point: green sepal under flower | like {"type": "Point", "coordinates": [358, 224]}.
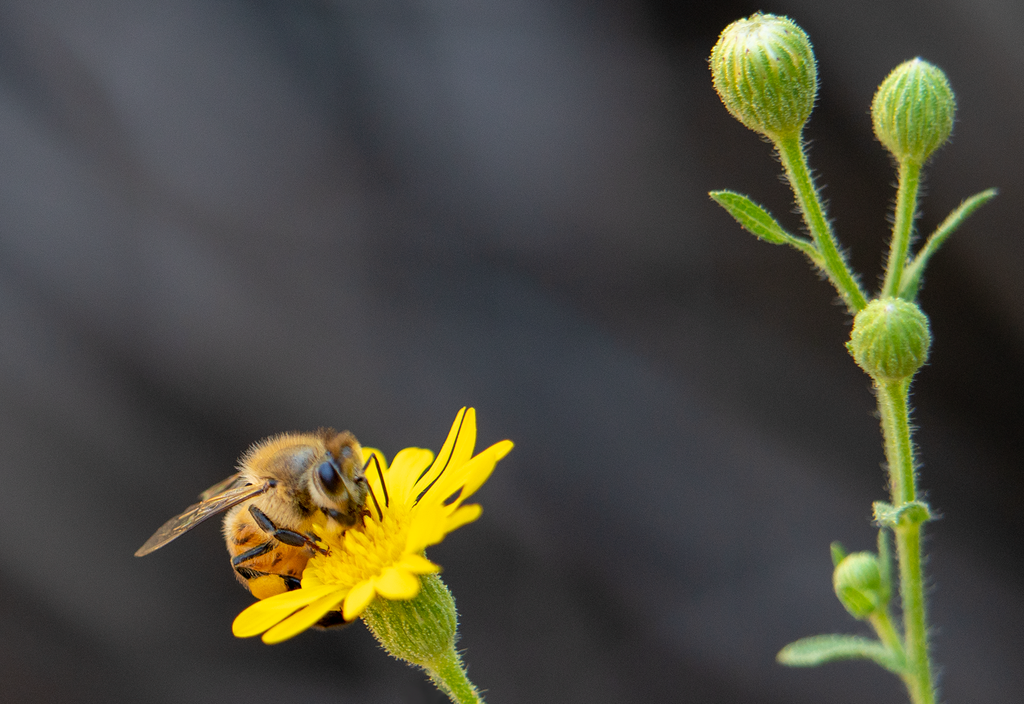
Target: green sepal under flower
{"type": "Point", "coordinates": [913, 111]}
{"type": "Point", "coordinates": [420, 630]}
{"type": "Point", "coordinates": [890, 339]}
{"type": "Point", "coordinates": [764, 71]}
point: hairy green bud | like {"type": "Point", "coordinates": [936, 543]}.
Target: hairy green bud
{"type": "Point", "coordinates": [764, 71]}
{"type": "Point", "coordinates": [913, 111]}
{"type": "Point", "coordinates": [890, 339]}
{"type": "Point", "coordinates": [859, 585]}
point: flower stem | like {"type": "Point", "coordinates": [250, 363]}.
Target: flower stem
{"type": "Point", "coordinates": [899, 451]}
{"type": "Point", "coordinates": [906, 206]}
{"type": "Point", "coordinates": [794, 161]}
{"type": "Point", "coordinates": [881, 621]}
{"type": "Point", "coordinates": [450, 677]}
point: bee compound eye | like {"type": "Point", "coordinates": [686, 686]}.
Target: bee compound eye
{"type": "Point", "coordinates": [329, 477]}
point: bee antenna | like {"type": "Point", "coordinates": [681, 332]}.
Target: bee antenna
{"type": "Point", "coordinates": [383, 485]}
{"type": "Point", "coordinates": [451, 453]}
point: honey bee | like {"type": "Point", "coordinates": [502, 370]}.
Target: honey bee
{"type": "Point", "coordinates": [282, 484]}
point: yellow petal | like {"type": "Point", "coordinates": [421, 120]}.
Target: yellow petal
{"type": "Point", "coordinates": [427, 529]}
{"type": "Point", "coordinates": [395, 583]}
{"type": "Point", "coordinates": [299, 622]}
{"type": "Point", "coordinates": [462, 516]}
{"type": "Point", "coordinates": [264, 614]}
{"type": "Point", "coordinates": [409, 464]}
{"type": "Point", "coordinates": [479, 475]}
{"type": "Point", "coordinates": [417, 564]}
{"type": "Point", "coordinates": [358, 599]}
{"type": "Point", "coordinates": [374, 458]}
{"type": "Point", "coordinates": [457, 448]}
{"type": "Point", "coordinates": [470, 476]}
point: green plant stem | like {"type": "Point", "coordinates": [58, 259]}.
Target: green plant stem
{"type": "Point", "coordinates": [450, 677]}
{"type": "Point", "coordinates": [794, 161]}
{"type": "Point", "coordinates": [881, 621]}
{"type": "Point", "coordinates": [893, 398]}
{"type": "Point", "coordinates": [903, 225]}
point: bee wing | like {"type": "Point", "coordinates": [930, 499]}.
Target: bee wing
{"type": "Point", "coordinates": [197, 513]}
{"type": "Point", "coordinates": [222, 486]}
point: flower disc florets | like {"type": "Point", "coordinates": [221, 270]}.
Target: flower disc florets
{"type": "Point", "coordinates": [764, 71]}
{"type": "Point", "coordinates": [913, 111]}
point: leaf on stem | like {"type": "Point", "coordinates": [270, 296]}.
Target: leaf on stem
{"type": "Point", "coordinates": [913, 272]}
{"type": "Point", "coordinates": [758, 222]}
{"type": "Point", "coordinates": [910, 513]}
{"type": "Point", "coordinates": [817, 650]}
{"type": "Point", "coordinates": [838, 552]}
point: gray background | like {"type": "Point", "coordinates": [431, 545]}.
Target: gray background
{"type": "Point", "coordinates": [224, 219]}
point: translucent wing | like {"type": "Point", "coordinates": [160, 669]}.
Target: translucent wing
{"type": "Point", "coordinates": [197, 513]}
{"type": "Point", "coordinates": [220, 487]}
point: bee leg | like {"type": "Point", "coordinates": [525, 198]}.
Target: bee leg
{"type": "Point", "coordinates": [282, 535]}
{"type": "Point", "coordinates": [249, 574]}
{"type": "Point", "coordinates": [333, 619]}
{"type": "Point", "coordinates": [265, 584]}
{"type": "Point", "coordinates": [251, 553]}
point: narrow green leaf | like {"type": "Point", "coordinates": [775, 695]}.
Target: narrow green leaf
{"type": "Point", "coordinates": [915, 270]}
{"type": "Point", "coordinates": [838, 552]}
{"type": "Point", "coordinates": [752, 217]}
{"type": "Point", "coordinates": [757, 221]}
{"type": "Point", "coordinates": [817, 650]}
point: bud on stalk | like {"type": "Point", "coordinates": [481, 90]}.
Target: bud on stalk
{"type": "Point", "coordinates": [764, 71]}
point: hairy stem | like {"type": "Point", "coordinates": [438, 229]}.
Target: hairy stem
{"type": "Point", "coordinates": [450, 677]}
{"type": "Point", "coordinates": [903, 225]}
{"type": "Point", "coordinates": [899, 452]}
{"type": "Point", "coordinates": [794, 161]}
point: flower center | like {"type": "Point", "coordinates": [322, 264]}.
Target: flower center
{"type": "Point", "coordinates": [361, 552]}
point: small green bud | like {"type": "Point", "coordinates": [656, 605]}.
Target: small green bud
{"type": "Point", "coordinates": [763, 69]}
{"type": "Point", "coordinates": [913, 111]}
{"type": "Point", "coordinates": [859, 585]}
{"type": "Point", "coordinates": [890, 339]}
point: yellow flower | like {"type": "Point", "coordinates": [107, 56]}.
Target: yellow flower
{"type": "Point", "coordinates": [415, 504]}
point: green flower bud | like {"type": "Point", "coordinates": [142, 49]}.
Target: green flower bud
{"type": "Point", "coordinates": [859, 585]}
{"type": "Point", "coordinates": [913, 111]}
{"type": "Point", "coordinates": [890, 339]}
{"type": "Point", "coordinates": [763, 69]}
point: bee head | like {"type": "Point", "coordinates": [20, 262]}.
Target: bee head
{"type": "Point", "coordinates": [338, 484]}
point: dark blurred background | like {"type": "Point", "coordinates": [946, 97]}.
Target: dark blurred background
{"type": "Point", "coordinates": [224, 219]}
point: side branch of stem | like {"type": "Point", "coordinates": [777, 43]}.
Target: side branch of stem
{"type": "Point", "coordinates": [794, 162]}
{"type": "Point", "coordinates": [903, 225]}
